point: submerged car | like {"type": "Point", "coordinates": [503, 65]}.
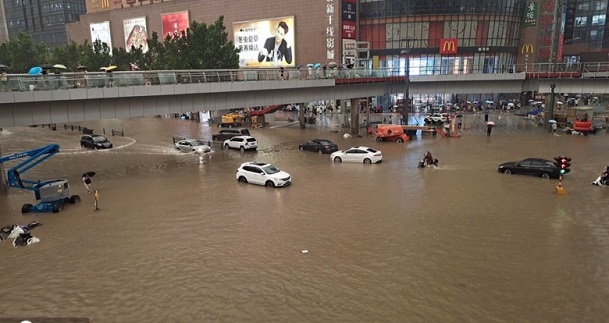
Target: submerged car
{"type": "Point", "coordinates": [359, 154]}
{"type": "Point", "coordinates": [95, 142]}
{"type": "Point", "coordinates": [242, 143]}
{"type": "Point", "coordinates": [262, 174]}
{"type": "Point", "coordinates": [531, 166]}
{"type": "Point", "coordinates": [322, 146]}
{"type": "Point", "coordinates": [190, 145]}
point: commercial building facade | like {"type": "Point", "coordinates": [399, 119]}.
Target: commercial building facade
{"type": "Point", "coordinates": [44, 20]}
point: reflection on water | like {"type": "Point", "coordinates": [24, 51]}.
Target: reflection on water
{"type": "Point", "coordinates": [179, 240]}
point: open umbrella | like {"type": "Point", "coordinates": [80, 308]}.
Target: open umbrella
{"type": "Point", "coordinates": [110, 68]}
{"type": "Point", "coordinates": [103, 68]}
{"type": "Point", "coordinates": [310, 65]}
{"type": "Point", "coordinates": [552, 121]}
{"type": "Point", "coordinates": [298, 67]}
{"type": "Point", "coordinates": [60, 66]}
{"type": "Point", "coordinates": [90, 174]}
{"type": "Point", "coordinates": [47, 66]}
{"type": "Point", "coordinates": [490, 123]}
{"type": "Point", "coordinates": [4, 67]}
{"type": "Point", "coordinates": [332, 65]}
{"type": "Point", "coordinates": [82, 67]}
{"type": "Point", "coordinates": [510, 104]}
{"type": "Point", "coordinates": [317, 65]}
{"type": "Point", "coordinates": [36, 70]}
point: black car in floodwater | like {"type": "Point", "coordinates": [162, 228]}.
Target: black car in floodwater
{"type": "Point", "coordinates": [322, 146]}
{"type": "Point", "coordinates": [531, 166]}
{"type": "Point", "coordinates": [95, 142]}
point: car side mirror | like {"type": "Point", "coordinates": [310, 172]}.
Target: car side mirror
{"type": "Point", "coordinates": [261, 173]}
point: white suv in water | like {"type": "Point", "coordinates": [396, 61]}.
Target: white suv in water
{"type": "Point", "coordinates": [262, 174]}
{"type": "Point", "coordinates": [242, 143]}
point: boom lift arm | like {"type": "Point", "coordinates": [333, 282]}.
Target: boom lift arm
{"type": "Point", "coordinates": [36, 156]}
{"type": "Point", "coordinates": [53, 194]}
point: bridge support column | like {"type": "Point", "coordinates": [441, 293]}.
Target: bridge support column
{"type": "Point", "coordinates": [301, 116]}
{"type": "Point", "coordinates": [354, 117]}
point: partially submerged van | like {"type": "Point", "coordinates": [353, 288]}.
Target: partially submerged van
{"type": "Point", "coordinates": [390, 132]}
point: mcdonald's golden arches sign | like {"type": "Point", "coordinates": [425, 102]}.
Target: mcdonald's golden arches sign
{"type": "Point", "coordinates": [526, 49]}
{"type": "Point", "coordinates": [449, 45]}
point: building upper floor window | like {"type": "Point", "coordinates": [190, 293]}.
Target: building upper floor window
{"type": "Point", "coordinates": [581, 21]}
{"type": "Point", "coordinates": [598, 20]}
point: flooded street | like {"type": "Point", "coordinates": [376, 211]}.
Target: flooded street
{"type": "Point", "coordinates": [178, 239]}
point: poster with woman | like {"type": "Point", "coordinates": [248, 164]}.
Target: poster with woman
{"type": "Point", "coordinates": [136, 33]}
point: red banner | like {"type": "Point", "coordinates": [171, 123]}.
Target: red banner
{"type": "Point", "coordinates": [174, 23]}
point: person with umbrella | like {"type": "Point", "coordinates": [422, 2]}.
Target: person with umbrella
{"type": "Point", "coordinates": [86, 179]}
{"type": "Point", "coordinates": [489, 128]}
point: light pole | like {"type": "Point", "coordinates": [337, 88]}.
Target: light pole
{"type": "Point", "coordinates": [407, 80]}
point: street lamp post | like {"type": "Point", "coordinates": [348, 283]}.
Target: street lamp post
{"type": "Point", "coordinates": [407, 80]}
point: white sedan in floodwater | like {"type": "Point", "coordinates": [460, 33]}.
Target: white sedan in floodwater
{"type": "Point", "coordinates": [190, 145]}
{"type": "Point", "coordinates": [359, 154]}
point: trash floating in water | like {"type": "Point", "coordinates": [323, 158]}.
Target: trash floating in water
{"type": "Point", "coordinates": [305, 251]}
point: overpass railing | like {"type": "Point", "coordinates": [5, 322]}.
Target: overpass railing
{"type": "Point", "coordinates": [43, 82]}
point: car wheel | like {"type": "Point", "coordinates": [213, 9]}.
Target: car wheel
{"type": "Point", "coordinates": [507, 171]}
{"type": "Point", "coordinates": [26, 208]}
{"type": "Point", "coordinates": [367, 161]}
{"type": "Point", "coordinates": [74, 199]}
{"type": "Point", "coordinates": [545, 175]}
{"type": "Point", "coordinates": [242, 149]}
{"type": "Point", "coordinates": [242, 179]}
{"type": "Point", "coordinates": [338, 160]}
{"type": "Point", "coordinates": [226, 146]}
{"type": "Point", "coordinates": [399, 140]}
{"type": "Point", "coordinates": [269, 184]}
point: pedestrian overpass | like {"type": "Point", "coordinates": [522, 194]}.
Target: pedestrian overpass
{"type": "Point", "coordinates": [71, 97]}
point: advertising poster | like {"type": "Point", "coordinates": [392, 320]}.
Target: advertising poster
{"type": "Point", "coordinates": [530, 13]}
{"type": "Point", "coordinates": [101, 31]}
{"type": "Point", "coordinates": [173, 23]}
{"type": "Point", "coordinates": [136, 34]}
{"type": "Point", "coordinates": [266, 42]}
{"type": "Point", "coordinates": [349, 18]}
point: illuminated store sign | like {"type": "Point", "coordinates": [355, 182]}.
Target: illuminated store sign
{"type": "Point", "coordinates": [449, 45]}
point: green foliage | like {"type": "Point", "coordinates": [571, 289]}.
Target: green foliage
{"type": "Point", "coordinates": [21, 53]}
{"type": "Point", "coordinates": [199, 47]}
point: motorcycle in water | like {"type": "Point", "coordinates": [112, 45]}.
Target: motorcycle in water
{"type": "Point", "coordinates": [601, 181]}
{"type": "Point", "coordinates": [422, 163]}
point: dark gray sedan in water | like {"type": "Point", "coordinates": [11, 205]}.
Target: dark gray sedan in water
{"type": "Point", "coordinates": [531, 166]}
{"type": "Point", "coordinates": [322, 146]}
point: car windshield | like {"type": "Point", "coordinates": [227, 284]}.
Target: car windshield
{"type": "Point", "coordinates": [270, 169]}
{"type": "Point", "coordinates": [325, 143]}
{"type": "Point", "coordinates": [99, 138]}
{"type": "Point", "coordinates": [197, 143]}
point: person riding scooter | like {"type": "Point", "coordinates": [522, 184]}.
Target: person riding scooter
{"type": "Point", "coordinates": [428, 160]}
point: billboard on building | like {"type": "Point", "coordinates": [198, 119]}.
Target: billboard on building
{"type": "Point", "coordinates": [101, 31]}
{"type": "Point", "coordinates": [175, 22]}
{"type": "Point", "coordinates": [136, 33]}
{"type": "Point", "coordinates": [530, 13]}
{"type": "Point", "coordinates": [349, 18]}
{"type": "Point", "coordinates": [266, 43]}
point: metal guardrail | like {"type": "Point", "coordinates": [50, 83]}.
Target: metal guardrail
{"type": "Point", "coordinates": [45, 82]}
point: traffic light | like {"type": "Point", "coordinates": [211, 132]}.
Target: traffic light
{"type": "Point", "coordinates": [563, 163]}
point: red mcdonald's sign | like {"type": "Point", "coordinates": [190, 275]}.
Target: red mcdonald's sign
{"type": "Point", "coordinates": [449, 45]}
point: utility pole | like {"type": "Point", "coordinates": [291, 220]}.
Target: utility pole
{"type": "Point", "coordinates": [407, 80]}
{"type": "Point", "coordinates": [549, 113]}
